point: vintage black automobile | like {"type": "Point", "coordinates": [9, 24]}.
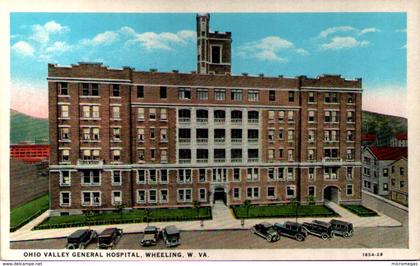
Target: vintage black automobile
{"type": "Point", "coordinates": [150, 237]}
{"type": "Point", "coordinates": [291, 229]}
{"type": "Point", "coordinates": [80, 238]}
{"type": "Point", "coordinates": [109, 238]}
{"type": "Point", "coordinates": [171, 236]}
{"type": "Point", "coordinates": [319, 228]}
{"type": "Point", "coordinates": [266, 231]}
{"type": "Point", "coordinates": [341, 228]}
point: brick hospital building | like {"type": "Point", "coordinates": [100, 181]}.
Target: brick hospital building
{"type": "Point", "coordinates": [168, 139]}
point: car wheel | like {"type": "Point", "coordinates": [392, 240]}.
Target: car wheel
{"type": "Point", "coordinates": [269, 238]}
{"type": "Point", "coordinates": [300, 237]}
{"type": "Point", "coordinates": [324, 236]}
{"type": "Point", "coordinates": [346, 235]}
{"type": "Point", "coordinates": [71, 246]}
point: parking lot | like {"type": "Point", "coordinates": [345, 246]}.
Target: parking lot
{"type": "Point", "coordinates": [365, 237]}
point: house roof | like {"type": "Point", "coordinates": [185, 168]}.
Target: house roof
{"type": "Point", "coordinates": [401, 135]}
{"type": "Point", "coordinates": [388, 153]}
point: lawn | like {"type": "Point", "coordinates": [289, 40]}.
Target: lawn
{"type": "Point", "coordinates": [283, 211]}
{"type": "Point", "coordinates": [22, 214]}
{"type": "Point", "coordinates": [360, 210]}
{"type": "Point", "coordinates": [131, 216]}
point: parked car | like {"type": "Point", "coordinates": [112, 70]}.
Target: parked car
{"type": "Point", "coordinates": [266, 231]}
{"type": "Point", "coordinates": [109, 237]}
{"type": "Point", "coordinates": [319, 228]}
{"type": "Point", "coordinates": [80, 238]}
{"type": "Point", "coordinates": [291, 229]}
{"type": "Point", "coordinates": [171, 236]}
{"type": "Point", "coordinates": [341, 228]}
{"type": "Point", "coordinates": [150, 237]}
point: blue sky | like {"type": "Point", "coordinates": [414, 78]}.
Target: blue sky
{"type": "Point", "coordinates": [367, 45]}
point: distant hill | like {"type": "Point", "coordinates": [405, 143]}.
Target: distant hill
{"type": "Point", "coordinates": [27, 128]}
{"type": "Point", "coordinates": [383, 126]}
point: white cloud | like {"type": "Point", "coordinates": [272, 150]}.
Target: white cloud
{"type": "Point", "coordinates": [368, 30]}
{"type": "Point", "coordinates": [41, 33]}
{"type": "Point", "coordinates": [401, 30]}
{"type": "Point", "coordinates": [268, 49]}
{"type": "Point", "coordinates": [58, 47]}
{"type": "Point", "coordinates": [332, 30]}
{"type": "Point", "coordinates": [160, 41]}
{"type": "Point", "coordinates": [23, 48]}
{"type": "Point", "coordinates": [104, 38]}
{"type": "Point", "coordinates": [338, 43]}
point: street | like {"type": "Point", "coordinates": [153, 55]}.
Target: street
{"type": "Point", "coordinates": [364, 237]}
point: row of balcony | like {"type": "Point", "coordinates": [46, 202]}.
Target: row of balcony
{"type": "Point", "coordinates": [216, 140]}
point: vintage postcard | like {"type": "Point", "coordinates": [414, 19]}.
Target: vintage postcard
{"type": "Point", "coordinates": [245, 131]}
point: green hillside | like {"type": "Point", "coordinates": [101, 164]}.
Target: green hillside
{"type": "Point", "coordinates": [384, 126]}
{"type": "Point", "coordinates": [27, 128]}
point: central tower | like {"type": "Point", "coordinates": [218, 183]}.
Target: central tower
{"type": "Point", "coordinates": [213, 48]}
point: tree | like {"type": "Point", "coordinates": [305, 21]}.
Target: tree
{"type": "Point", "coordinates": [311, 199]}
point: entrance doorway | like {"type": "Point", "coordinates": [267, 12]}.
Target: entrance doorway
{"type": "Point", "coordinates": [219, 195]}
{"type": "Point", "coordinates": [332, 193]}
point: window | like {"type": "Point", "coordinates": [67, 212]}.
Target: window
{"type": "Point", "coordinates": [253, 174]}
{"type": "Point", "coordinates": [91, 177]}
{"type": "Point", "coordinates": [63, 88]}
{"type": "Point", "coordinates": [271, 116]}
{"type": "Point", "coordinates": [152, 131]}
{"type": "Point", "coordinates": [402, 171]}
{"type": "Point", "coordinates": [202, 155]}
{"type": "Point", "coordinates": [202, 115]}
{"type": "Point", "coordinates": [271, 95]}
{"type": "Point", "coordinates": [311, 155]}
{"type": "Point", "coordinates": [385, 186]}
{"type": "Point", "coordinates": [90, 89]}
{"type": "Point", "coordinates": [290, 173]}
{"type": "Point", "coordinates": [163, 196]}
{"type": "Point", "coordinates": [291, 116]}
{"type": "Point", "coordinates": [140, 134]}
{"type": "Point", "coordinates": [311, 191]}
{"type": "Point", "coordinates": [271, 155]}
{"type": "Point", "coordinates": [290, 135]}
{"type": "Point", "coordinates": [152, 176]}
{"type": "Point", "coordinates": [331, 97]}
{"type": "Point", "coordinates": [140, 91]}
{"type": "Point", "coordinates": [116, 134]}
{"type": "Point", "coordinates": [311, 97]}
{"type": "Point", "coordinates": [184, 195]}
{"type": "Point", "coordinates": [219, 116]}
{"type": "Point", "coordinates": [202, 194]}
{"type": "Point", "coordinates": [236, 174]}
{"type": "Point", "coordinates": [393, 182]}
{"type": "Point", "coordinates": [219, 175]}
{"type": "Point", "coordinates": [141, 196]}
{"type": "Point", "coordinates": [152, 195]}
{"type": "Point", "coordinates": [152, 154]}
{"type": "Point", "coordinates": [219, 155]}
{"type": "Point", "coordinates": [236, 95]}
{"type": "Point", "coordinates": [116, 178]}
{"type": "Point", "coordinates": [219, 94]}
{"type": "Point", "coordinates": [290, 192]}
{"type": "Point", "coordinates": [350, 154]}
{"type": "Point", "coordinates": [271, 133]}
{"type": "Point", "coordinates": [253, 95]}
{"type": "Point", "coordinates": [253, 155]}
{"type": "Point", "coordinates": [163, 92]}
{"type": "Point", "coordinates": [65, 155]}
{"type": "Point", "coordinates": [152, 114]}
{"type": "Point", "coordinates": [281, 134]}
{"type": "Point", "coordinates": [349, 173]}
{"type": "Point", "coordinates": [331, 135]}
{"type": "Point", "coordinates": [184, 176]}
{"type": "Point", "coordinates": [216, 54]}
{"type": "Point", "coordinates": [163, 176]}
{"type": "Point", "coordinates": [184, 93]}
{"type": "Point", "coordinates": [65, 178]}
{"type": "Point", "coordinates": [65, 133]}
{"type": "Point", "coordinates": [164, 135]}
{"type": "Point", "coordinates": [349, 190]}
{"type": "Point", "coordinates": [141, 155]}
{"type": "Point", "coordinates": [253, 116]}
{"type": "Point", "coordinates": [311, 116]}
{"type": "Point", "coordinates": [350, 135]}
{"type": "Point", "coordinates": [116, 155]}
{"type": "Point", "coordinates": [402, 184]}
{"type": "Point", "coordinates": [280, 173]}
{"type": "Point", "coordinates": [385, 172]}
{"type": "Point", "coordinates": [281, 153]}
{"type": "Point", "coordinates": [271, 192]}
{"type": "Point", "coordinates": [331, 116]}
{"type": "Point", "coordinates": [115, 112]}
{"type": "Point", "coordinates": [281, 116]}
{"type": "Point", "coordinates": [350, 98]}
{"type": "Point", "coordinates": [311, 135]}
{"type": "Point", "coordinates": [253, 192]}
{"type": "Point", "coordinates": [236, 193]}
{"type": "Point", "coordinates": [163, 114]}
{"type": "Point", "coordinates": [202, 94]}
{"type": "Point", "coordinates": [86, 89]}
{"type": "Point", "coordinates": [91, 198]}
{"type": "Point", "coordinates": [291, 96]}
{"type": "Point", "coordinates": [64, 111]}
{"type": "Point", "coordinates": [140, 113]}
{"type": "Point", "coordinates": [331, 153]}
{"type": "Point", "coordinates": [350, 117]}
{"type": "Point", "coordinates": [116, 198]}
{"type": "Point", "coordinates": [271, 174]}
{"type": "Point", "coordinates": [236, 116]}
{"type": "Point", "coordinates": [311, 173]}
{"type": "Point", "coordinates": [116, 90]}
{"type": "Point", "coordinates": [331, 173]}
{"type": "Point", "coordinates": [202, 175]}
{"type": "Point", "coordinates": [141, 176]}
{"type": "Point", "coordinates": [236, 155]}
{"type": "Point", "coordinates": [184, 115]}
{"type": "Point", "coordinates": [65, 199]}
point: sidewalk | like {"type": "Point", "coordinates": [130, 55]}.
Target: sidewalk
{"type": "Point", "coordinates": [222, 219]}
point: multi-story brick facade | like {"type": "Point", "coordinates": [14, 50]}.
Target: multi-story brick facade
{"type": "Point", "coordinates": [154, 139]}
